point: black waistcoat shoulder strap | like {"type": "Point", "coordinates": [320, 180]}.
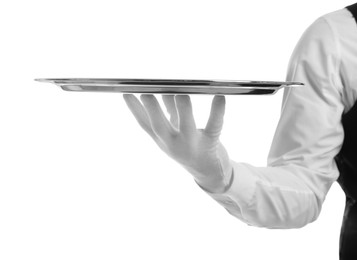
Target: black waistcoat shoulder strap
{"type": "Point", "coordinates": [347, 164]}
{"type": "Point", "coordinates": [353, 9]}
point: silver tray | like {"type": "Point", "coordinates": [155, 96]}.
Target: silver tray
{"type": "Point", "coordinates": [170, 86]}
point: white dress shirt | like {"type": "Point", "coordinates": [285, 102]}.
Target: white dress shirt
{"type": "Point", "coordinates": [289, 192]}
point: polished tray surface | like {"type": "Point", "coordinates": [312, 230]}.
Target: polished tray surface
{"type": "Point", "coordinates": [170, 86]}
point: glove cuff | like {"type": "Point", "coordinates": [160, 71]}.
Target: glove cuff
{"type": "Point", "coordinates": [226, 188]}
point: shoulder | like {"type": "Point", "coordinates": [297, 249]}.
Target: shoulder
{"type": "Point", "coordinates": [331, 29]}
{"type": "Point", "coordinates": [326, 35]}
{"type": "Point", "coordinates": [339, 19]}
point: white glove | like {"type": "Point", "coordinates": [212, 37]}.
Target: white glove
{"type": "Point", "coordinates": [197, 150]}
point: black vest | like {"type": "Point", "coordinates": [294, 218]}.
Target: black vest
{"type": "Point", "coordinates": [347, 164]}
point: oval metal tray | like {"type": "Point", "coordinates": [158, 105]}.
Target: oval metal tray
{"type": "Point", "coordinates": [170, 86]}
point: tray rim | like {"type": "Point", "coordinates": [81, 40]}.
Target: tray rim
{"type": "Point", "coordinates": [170, 86]}
{"type": "Point", "coordinates": [169, 82]}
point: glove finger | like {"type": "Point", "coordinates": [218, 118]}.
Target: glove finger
{"type": "Point", "coordinates": [158, 120]}
{"type": "Point", "coordinates": [184, 109]}
{"type": "Point", "coordinates": [215, 120]}
{"type": "Point", "coordinates": [169, 101]}
{"type": "Point", "coordinates": [139, 113]}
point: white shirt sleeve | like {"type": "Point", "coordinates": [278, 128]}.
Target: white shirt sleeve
{"type": "Point", "coordinates": [289, 192]}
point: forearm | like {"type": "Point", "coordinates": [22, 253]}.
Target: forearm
{"type": "Point", "coordinates": [272, 197]}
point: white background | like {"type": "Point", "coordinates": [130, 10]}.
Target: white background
{"type": "Point", "coordinates": [79, 179]}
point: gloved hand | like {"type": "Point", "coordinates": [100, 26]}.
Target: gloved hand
{"type": "Point", "coordinates": [197, 150]}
